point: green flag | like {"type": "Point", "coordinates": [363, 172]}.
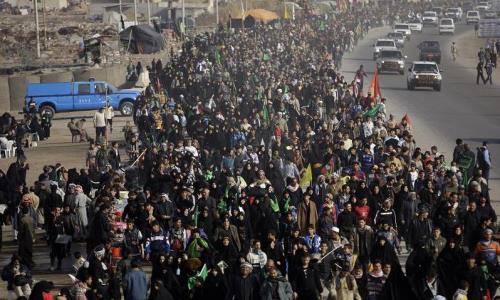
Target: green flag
{"type": "Point", "coordinates": [265, 114]}
{"type": "Point", "coordinates": [373, 112]}
{"type": "Point", "coordinates": [321, 25]}
{"type": "Point", "coordinates": [202, 274]}
{"type": "Point", "coordinates": [218, 57]}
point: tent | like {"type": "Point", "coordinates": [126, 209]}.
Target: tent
{"type": "Point", "coordinates": [142, 39]}
{"type": "Point", "coordinates": [261, 15]}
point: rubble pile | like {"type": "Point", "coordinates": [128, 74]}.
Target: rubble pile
{"type": "Point", "coordinates": [60, 44]}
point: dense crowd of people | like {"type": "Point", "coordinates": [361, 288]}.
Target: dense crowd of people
{"type": "Point", "coordinates": [256, 170]}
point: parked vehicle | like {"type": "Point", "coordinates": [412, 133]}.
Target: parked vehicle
{"type": "Point", "coordinates": [430, 51]}
{"type": "Point", "coordinates": [446, 25]}
{"type": "Point", "coordinates": [472, 17]}
{"type": "Point", "coordinates": [82, 95]}
{"type": "Point", "coordinates": [424, 74]}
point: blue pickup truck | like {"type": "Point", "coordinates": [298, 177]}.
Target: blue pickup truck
{"type": "Point", "coordinates": [81, 95]}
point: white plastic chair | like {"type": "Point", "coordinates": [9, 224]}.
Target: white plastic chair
{"type": "Point", "coordinates": [7, 148]}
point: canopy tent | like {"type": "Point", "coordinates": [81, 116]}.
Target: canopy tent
{"type": "Point", "coordinates": [142, 39]}
{"type": "Point", "coordinates": [261, 15]}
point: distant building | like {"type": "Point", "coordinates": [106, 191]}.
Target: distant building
{"type": "Point", "coordinates": [49, 4]}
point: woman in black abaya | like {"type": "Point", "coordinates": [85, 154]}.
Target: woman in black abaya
{"type": "Point", "coordinates": [449, 264]}
{"type": "Point", "coordinates": [384, 252]}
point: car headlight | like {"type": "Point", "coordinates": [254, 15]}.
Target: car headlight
{"type": "Point", "coordinates": [401, 63]}
{"type": "Point", "coordinates": [377, 50]}
{"type": "Point", "coordinates": [416, 76]}
{"type": "Point", "coordinates": [381, 61]}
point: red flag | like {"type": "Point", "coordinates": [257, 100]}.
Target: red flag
{"type": "Point", "coordinates": [406, 118]}
{"type": "Point", "coordinates": [375, 86]}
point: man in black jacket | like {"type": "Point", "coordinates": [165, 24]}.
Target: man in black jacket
{"type": "Point", "coordinates": [244, 286]}
{"type": "Point", "coordinates": [114, 156]}
{"type": "Point", "coordinates": [420, 228]}
{"type": "Point", "coordinates": [307, 284]}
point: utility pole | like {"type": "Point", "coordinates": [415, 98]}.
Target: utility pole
{"type": "Point", "coordinates": [37, 30]}
{"type": "Point", "coordinates": [217, 12]}
{"type": "Point", "coordinates": [120, 6]}
{"type": "Point", "coordinates": [135, 12]}
{"type": "Point", "coordinates": [149, 13]}
{"type": "Point", "coordinates": [183, 19]}
{"type": "Point", "coordinates": [183, 13]}
{"type": "Point", "coordinates": [44, 26]}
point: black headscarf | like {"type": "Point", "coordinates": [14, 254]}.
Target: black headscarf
{"type": "Point", "coordinates": [385, 253]}
{"type": "Point", "coordinates": [449, 264]}
{"type": "Point", "coordinates": [40, 288]}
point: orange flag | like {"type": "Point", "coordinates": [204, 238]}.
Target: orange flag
{"type": "Point", "coordinates": [375, 86]}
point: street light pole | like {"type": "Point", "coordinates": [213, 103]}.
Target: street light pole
{"type": "Point", "coordinates": [37, 30]}
{"type": "Point", "coordinates": [135, 11]}
{"type": "Point", "coordinates": [183, 13]}
{"type": "Point", "coordinates": [44, 26]}
{"type": "Point", "coordinates": [149, 13]}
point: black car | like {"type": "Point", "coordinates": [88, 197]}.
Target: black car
{"type": "Point", "coordinates": [430, 51]}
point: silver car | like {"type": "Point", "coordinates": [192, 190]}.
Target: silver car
{"type": "Point", "coordinates": [391, 60]}
{"type": "Point", "coordinates": [398, 37]}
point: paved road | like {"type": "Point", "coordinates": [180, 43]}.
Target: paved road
{"type": "Point", "coordinates": [461, 110]}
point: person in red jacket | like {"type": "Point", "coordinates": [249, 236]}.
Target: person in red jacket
{"type": "Point", "coordinates": [362, 210]}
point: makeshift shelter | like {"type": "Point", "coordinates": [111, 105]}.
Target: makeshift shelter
{"type": "Point", "coordinates": [261, 15]}
{"type": "Point", "coordinates": [142, 39]}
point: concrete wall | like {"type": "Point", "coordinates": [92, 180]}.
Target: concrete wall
{"type": "Point", "coordinates": [4, 94]}
{"type": "Point", "coordinates": [17, 89]}
{"type": "Point", "coordinates": [13, 88]}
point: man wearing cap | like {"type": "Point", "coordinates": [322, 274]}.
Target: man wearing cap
{"type": "Point", "coordinates": [244, 286]}
{"type": "Point", "coordinates": [487, 249]}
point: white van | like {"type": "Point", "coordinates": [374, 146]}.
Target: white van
{"type": "Point", "coordinates": [472, 16]}
{"type": "Point", "coordinates": [446, 25]}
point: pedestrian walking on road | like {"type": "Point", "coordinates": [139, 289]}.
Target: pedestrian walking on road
{"type": "Point", "coordinates": [480, 74]}
{"type": "Point", "coordinates": [489, 72]}
{"type": "Point", "coordinates": [109, 113]}
{"type": "Point", "coordinates": [454, 51]}
{"type": "Point", "coordinates": [484, 160]}
{"type": "Point", "coordinates": [100, 124]}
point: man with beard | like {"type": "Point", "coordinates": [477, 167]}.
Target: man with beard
{"type": "Point", "coordinates": [275, 288]}
{"type": "Point", "coordinates": [245, 285]}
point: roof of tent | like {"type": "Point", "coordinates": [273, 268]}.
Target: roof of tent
{"type": "Point", "coordinates": [142, 39]}
{"type": "Point", "coordinates": [261, 14]}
